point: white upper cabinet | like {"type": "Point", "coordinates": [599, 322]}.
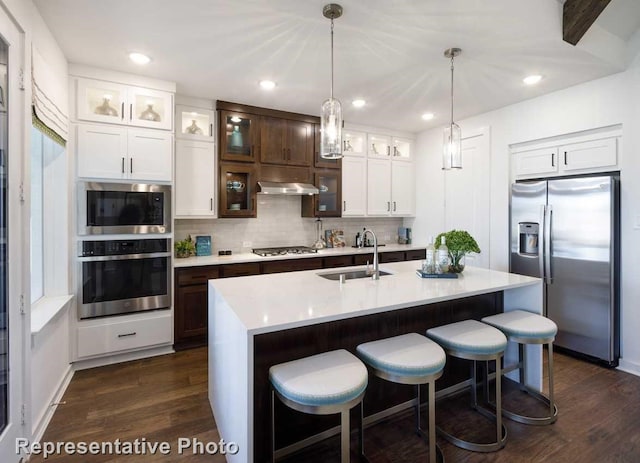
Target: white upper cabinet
{"type": "Point", "coordinates": [379, 187]}
{"type": "Point", "coordinates": [590, 154]}
{"type": "Point", "coordinates": [195, 179]}
{"type": "Point", "coordinates": [118, 153]}
{"type": "Point", "coordinates": [402, 149]}
{"type": "Point", "coordinates": [354, 143]}
{"type": "Point", "coordinates": [379, 146]}
{"type": "Point", "coordinates": [112, 103]}
{"type": "Point", "coordinates": [194, 123]}
{"type": "Point", "coordinates": [354, 186]}
{"type": "Point", "coordinates": [403, 191]}
{"type": "Point", "coordinates": [536, 162]}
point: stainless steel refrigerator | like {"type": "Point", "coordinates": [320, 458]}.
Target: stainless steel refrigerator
{"type": "Point", "coordinates": [566, 231]}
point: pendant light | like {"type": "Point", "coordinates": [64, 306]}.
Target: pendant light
{"type": "Point", "coordinates": [452, 147]}
{"type": "Point", "coordinates": [331, 119]}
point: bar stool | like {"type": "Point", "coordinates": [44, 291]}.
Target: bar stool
{"type": "Point", "coordinates": [323, 384]}
{"type": "Point", "coordinates": [408, 359]}
{"type": "Point", "coordinates": [472, 340]}
{"type": "Point", "coordinates": [523, 328]}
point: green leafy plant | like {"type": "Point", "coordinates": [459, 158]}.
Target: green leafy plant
{"type": "Point", "coordinates": [460, 243]}
{"type": "Point", "coordinates": [185, 247]}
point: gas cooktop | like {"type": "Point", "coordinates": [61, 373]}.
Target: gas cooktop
{"type": "Point", "coordinates": [267, 252]}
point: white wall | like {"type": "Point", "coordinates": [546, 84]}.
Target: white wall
{"type": "Point", "coordinates": [603, 102]}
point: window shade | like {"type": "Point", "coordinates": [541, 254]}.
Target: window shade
{"type": "Point", "coordinates": [49, 97]}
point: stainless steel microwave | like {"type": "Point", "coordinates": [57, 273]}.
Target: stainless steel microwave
{"type": "Point", "coordinates": [123, 208]}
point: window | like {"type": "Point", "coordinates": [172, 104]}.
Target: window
{"type": "Point", "coordinates": [49, 215]}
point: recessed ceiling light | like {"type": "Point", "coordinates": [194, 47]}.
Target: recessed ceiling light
{"type": "Point", "coordinates": [358, 103]}
{"type": "Point", "coordinates": [236, 119]}
{"type": "Point", "coordinates": [139, 58]}
{"type": "Point", "coordinates": [267, 84]}
{"type": "Point", "coordinates": [428, 116]}
{"type": "Point", "coordinates": [532, 80]}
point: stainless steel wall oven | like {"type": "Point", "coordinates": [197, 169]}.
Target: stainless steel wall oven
{"type": "Point", "coordinates": [123, 276]}
{"type": "Point", "coordinates": [123, 208]}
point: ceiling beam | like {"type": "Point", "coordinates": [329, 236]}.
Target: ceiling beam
{"type": "Point", "coordinates": [578, 16]}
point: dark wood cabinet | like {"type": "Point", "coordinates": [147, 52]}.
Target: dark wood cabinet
{"type": "Point", "coordinates": [286, 142]}
{"type": "Point", "coordinates": [328, 202]}
{"type": "Point", "coordinates": [337, 261]}
{"type": "Point", "coordinates": [239, 270]}
{"type": "Point", "coordinates": [292, 265]}
{"type": "Point", "coordinates": [396, 256]}
{"type": "Point", "coordinates": [416, 254]}
{"type": "Point", "coordinates": [238, 136]}
{"type": "Point", "coordinates": [319, 161]}
{"type": "Point", "coordinates": [238, 187]}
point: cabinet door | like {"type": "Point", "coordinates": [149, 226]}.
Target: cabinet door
{"type": "Point", "coordinates": [100, 101]}
{"type": "Point", "coordinates": [195, 163]}
{"type": "Point", "coordinates": [589, 155]}
{"type": "Point", "coordinates": [102, 151]}
{"type": "Point", "coordinates": [402, 149]}
{"type": "Point", "coordinates": [237, 190]}
{"type": "Point", "coordinates": [354, 143]}
{"type": "Point", "coordinates": [403, 190]}
{"type": "Point", "coordinates": [536, 162]}
{"type": "Point", "coordinates": [238, 136]}
{"type": "Point", "coordinates": [299, 143]}
{"type": "Point", "coordinates": [149, 155]}
{"type": "Point", "coordinates": [194, 123]}
{"type": "Point", "coordinates": [379, 146]}
{"type": "Point", "coordinates": [150, 108]}
{"type": "Point", "coordinates": [379, 192]}
{"type": "Point", "coordinates": [318, 160]}
{"type": "Point", "coordinates": [272, 140]}
{"type": "Point", "coordinates": [354, 186]}
{"type": "Point", "coordinates": [328, 201]}
{"type": "Point", "coordinates": [190, 313]}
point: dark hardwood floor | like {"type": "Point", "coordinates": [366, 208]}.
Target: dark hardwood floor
{"type": "Point", "coordinates": [165, 398]}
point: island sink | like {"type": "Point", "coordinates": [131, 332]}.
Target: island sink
{"type": "Point", "coordinates": [351, 274]}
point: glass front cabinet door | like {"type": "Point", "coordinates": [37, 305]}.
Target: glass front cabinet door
{"type": "Point", "coordinates": [328, 202]}
{"type": "Point", "coordinates": [354, 143]}
{"type": "Point", "coordinates": [237, 190]}
{"type": "Point", "coordinates": [150, 108]}
{"type": "Point", "coordinates": [100, 101]}
{"type": "Point", "coordinates": [194, 123]}
{"type": "Point", "coordinates": [238, 134]}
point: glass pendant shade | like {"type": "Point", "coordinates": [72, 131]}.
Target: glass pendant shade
{"type": "Point", "coordinates": [452, 147]}
{"type": "Point", "coordinates": [331, 130]}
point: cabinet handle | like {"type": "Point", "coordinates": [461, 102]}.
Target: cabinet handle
{"type": "Point", "coordinates": [553, 157]}
{"type": "Point", "coordinates": [344, 206]}
{"type": "Point", "coordinates": [131, 165]}
{"type": "Point", "coordinates": [394, 206]}
{"type": "Point", "coordinates": [131, 112]}
{"type": "Point", "coordinates": [211, 204]}
{"type": "Point", "coordinates": [344, 145]}
{"type": "Point", "coordinates": [565, 158]}
{"type": "Point", "coordinates": [388, 206]}
{"type": "Point", "coordinates": [388, 151]}
{"type": "Point", "coordinates": [122, 111]}
{"type": "Point", "coordinates": [125, 335]}
{"type": "Point", "coordinates": [123, 165]}
{"type": "Point", "coordinates": [211, 130]}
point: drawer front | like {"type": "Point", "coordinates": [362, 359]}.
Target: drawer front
{"type": "Point", "coordinates": [239, 270]}
{"type": "Point", "coordinates": [392, 256]}
{"type": "Point", "coordinates": [362, 259]}
{"type": "Point", "coordinates": [196, 275]}
{"type": "Point", "coordinates": [291, 265]}
{"type": "Point", "coordinates": [124, 335]}
{"type": "Point", "coordinates": [416, 254]}
{"type": "Point", "coordinates": [338, 261]}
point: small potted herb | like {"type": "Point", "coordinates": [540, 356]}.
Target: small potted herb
{"type": "Point", "coordinates": [460, 243]}
{"type": "Point", "coordinates": [185, 247]}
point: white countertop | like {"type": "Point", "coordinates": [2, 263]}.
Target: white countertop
{"type": "Point", "coordinates": [250, 257]}
{"type": "Point", "coordinates": [273, 302]}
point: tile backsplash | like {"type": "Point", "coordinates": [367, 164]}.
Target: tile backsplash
{"type": "Point", "coordinates": [279, 224]}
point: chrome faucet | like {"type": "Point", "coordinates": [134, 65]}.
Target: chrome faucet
{"type": "Point", "coordinates": [376, 270]}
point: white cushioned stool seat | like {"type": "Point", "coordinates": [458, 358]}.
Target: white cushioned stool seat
{"type": "Point", "coordinates": [469, 336]}
{"type": "Point", "coordinates": [405, 355]}
{"type": "Point", "coordinates": [523, 324]}
{"type": "Point", "coordinates": [329, 378]}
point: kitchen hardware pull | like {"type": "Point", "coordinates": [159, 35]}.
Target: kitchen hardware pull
{"type": "Point", "coordinates": [344, 206]}
{"type": "Point", "coordinates": [211, 130]}
{"type": "Point", "coordinates": [131, 112]}
{"type": "Point", "coordinates": [388, 206]}
{"type": "Point", "coordinates": [394, 206]}
{"type": "Point", "coordinates": [344, 145]}
{"type": "Point", "coordinates": [565, 158]}
{"type": "Point", "coordinates": [122, 112]}
{"type": "Point", "coordinates": [541, 241]}
{"type": "Point", "coordinates": [125, 335]}
{"type": "Point", "coordinates": [123, 165]}
{"type": "Point", "coordinates": [395, 151]}
{"type": "Point", "coordinates": [131, 165]}
{"type": "Point", "coordinates": [547, 242]}
{"type": "Point", "coordinates": [553, 157]}
{"type": "Point", "coordinates": [388, 151]}
{"type": "Point", "coordinates": [211, 204]}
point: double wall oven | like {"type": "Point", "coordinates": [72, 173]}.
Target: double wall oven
{"type": "Point", "coordinates": [124, 251]}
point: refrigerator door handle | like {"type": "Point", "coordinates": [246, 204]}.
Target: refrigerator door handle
{"type": "Point", "coordinates": [547, 244]}
{"type": "Point", "coordinates": [541, 238]}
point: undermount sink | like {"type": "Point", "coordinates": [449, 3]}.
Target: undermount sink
{"type": "Point", "coordinates": [350, 275]}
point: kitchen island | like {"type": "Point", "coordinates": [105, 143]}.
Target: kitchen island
{"type": "Point", "coordinates": [259, 321]}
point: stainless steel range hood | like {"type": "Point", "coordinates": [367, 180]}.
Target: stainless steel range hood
{"type": "Point", "coordinates": [282, 188]}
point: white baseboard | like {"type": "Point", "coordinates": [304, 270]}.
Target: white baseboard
{"type": "Point", "coordinates": [119, 358]}
{"type": "Point", "coordinates": [629, 367]}
{"type": "Point", "coordinates": [46, 415]}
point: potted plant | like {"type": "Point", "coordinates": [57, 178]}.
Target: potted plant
{"type": "Point", "coordinates": [460, 243]}
{"type": "Point", "coordinates": [185, 247]}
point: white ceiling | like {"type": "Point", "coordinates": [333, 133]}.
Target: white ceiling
{"type": "Point", "coordinates": [389, 53]}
